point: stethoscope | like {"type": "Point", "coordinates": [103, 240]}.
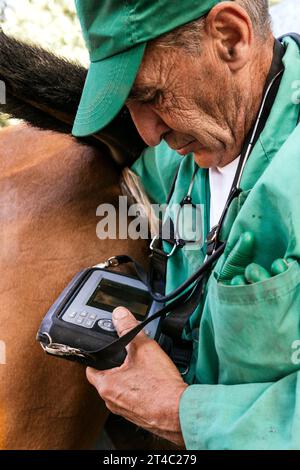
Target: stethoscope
{"type": "Point", "coordinates": [214, 247]}
{"type": "Point", "coordinates": [186, 297]}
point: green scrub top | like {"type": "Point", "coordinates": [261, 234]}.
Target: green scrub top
{"type": "Point", "coordinates": [244, 376]}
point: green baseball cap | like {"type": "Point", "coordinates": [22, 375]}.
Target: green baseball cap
{"type": "Point", "coordinates": [116, 34]}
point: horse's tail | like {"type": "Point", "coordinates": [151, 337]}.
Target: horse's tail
{"type": "Point", "coordinates": [44, 90]}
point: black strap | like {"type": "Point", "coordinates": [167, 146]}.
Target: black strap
{"type": "Point", "coordinates": [174, 324]}
{"type": "Point", "coordinates": [182, 288]}
{"type": "Point", "coordinates": [158, 263]}
{"type": "Point", "coordinates": [296, 38]}
{"type": "Point", "coordinates": [180, 310]}
{"type": "Point", "coordinates": [183, 304]}
{"type": "Point", "coordinates": [188, 300]}
{"type": "Point", "coordinates": [169, 197]}
{"type": "Point", "coordinates": [158, 268]}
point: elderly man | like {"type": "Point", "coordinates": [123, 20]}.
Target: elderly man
{"type": "Point", "coordinates": [216, 99]}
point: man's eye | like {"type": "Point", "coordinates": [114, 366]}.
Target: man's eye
{"type": "Point", "coordinates": [155, 99]}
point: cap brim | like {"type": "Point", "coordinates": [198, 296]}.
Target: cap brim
{"type": "Point", "coordinates": [106, 89]}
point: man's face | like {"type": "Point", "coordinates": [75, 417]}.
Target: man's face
{"type": "Point", "coordinates": [190, 102]}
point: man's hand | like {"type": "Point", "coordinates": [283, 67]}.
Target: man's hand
{"type": "Point", "coordinates": [147, 388]}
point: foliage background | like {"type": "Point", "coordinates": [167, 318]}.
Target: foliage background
{"type": "Point", "coordinates": [51, 23]}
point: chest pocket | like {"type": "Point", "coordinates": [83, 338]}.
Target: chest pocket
{"type": "Point", "coordinates": [255, 327]}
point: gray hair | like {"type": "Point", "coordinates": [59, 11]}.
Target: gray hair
{"type": "Point", "coordinates": [187, 36]}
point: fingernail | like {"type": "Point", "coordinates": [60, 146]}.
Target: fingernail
{"type": "Point", "coordinates": [119, 313]}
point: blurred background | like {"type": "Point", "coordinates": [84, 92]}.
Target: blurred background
{"type": "Point", "coordinates": [53, 24]}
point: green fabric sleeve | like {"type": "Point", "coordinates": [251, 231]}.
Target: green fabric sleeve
{"type": "Point", "coordinates": [242, 417]}
{"type": "Point", "coordinates": [157, 168]}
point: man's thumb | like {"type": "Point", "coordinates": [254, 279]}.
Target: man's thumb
{"type": "Point", "coordinates": [123, 320]}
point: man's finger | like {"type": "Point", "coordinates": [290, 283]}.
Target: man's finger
{"type": "Point", "coordinates": [93, 376]}
{"type": "Point", "coordinates": [123, 320]}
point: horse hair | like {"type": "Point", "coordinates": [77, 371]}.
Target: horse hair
{"type": "Point", "coordinates": [33, 73]}
{"type": "Point", "coordinates": [43, 89]}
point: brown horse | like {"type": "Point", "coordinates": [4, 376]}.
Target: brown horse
{"type": "Point", "coordinates": [50, 187]}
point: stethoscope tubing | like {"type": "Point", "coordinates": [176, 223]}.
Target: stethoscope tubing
{"type": "Point", "coordinates": [209, 260]}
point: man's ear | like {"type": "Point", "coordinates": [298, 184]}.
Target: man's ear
{"type": "Point", "coordinates": [230, 27]}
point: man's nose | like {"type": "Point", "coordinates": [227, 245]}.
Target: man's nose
{"type": "Point", "coordinates": [149, 124]}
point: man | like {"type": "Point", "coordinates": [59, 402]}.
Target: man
{"type": "Point", "coordinates": [193, 79]}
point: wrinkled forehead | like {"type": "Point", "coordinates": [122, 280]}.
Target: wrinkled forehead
{"type": "Point", "coordinates": [157, 65]}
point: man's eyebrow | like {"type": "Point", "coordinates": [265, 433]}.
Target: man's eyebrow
{"type": "Point", "coordinates": [142, 93]}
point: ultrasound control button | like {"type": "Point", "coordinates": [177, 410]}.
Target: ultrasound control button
{"type": "Point", "coordinates": [106, 325]}
{"type": "Point", "coordinates": [89, 323]}
{"type": "Point", "coordinates": [92, 316]}
{"type": "Point", "coordinates": [79, 320]}
{"type": "Point", "coordinates": [72, 314]}
{"type": "Point", "coordinates": [83, 314]}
